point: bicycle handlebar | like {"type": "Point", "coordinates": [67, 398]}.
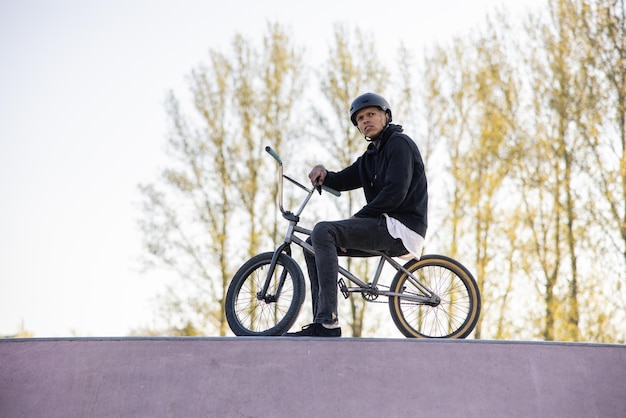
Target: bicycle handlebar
{"type": "Point", "coordinates": [274, 154]}
{"type": "Point", "coordinates": [331, 190]}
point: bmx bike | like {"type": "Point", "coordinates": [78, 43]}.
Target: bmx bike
{"type": "Point", "coordinates": [433, 297]}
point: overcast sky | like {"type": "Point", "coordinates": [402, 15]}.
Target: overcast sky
{"type": "Point", "coordinates": [82, 123]}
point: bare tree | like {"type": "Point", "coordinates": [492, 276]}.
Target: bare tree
{"type": "Point", "coordinates": [528, 177]}
{"type": "Point", "coordinates": [207, 214]}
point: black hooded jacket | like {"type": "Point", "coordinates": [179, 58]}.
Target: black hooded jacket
{"type": "Point", "coordinates": [393, 179]}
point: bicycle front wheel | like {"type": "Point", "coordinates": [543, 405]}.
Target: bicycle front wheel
{"type": "Point", "coordinates": [249, 312]}
{"type": "Point", "coordinates": [455, 316]}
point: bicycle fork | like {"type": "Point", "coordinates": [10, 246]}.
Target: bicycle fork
{"type": "Point", "coordinates": [262, 294]}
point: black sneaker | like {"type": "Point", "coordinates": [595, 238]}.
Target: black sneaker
{"type": "Point", "coordinates": [315, 330]}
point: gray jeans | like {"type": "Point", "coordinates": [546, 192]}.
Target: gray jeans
{"type": "Point", "coordinates": [327, 238]}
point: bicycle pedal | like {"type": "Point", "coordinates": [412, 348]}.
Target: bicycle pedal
{"type": "Point", "coordinates": [343, 288]}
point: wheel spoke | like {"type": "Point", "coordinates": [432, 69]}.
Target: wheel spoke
{"type": "Point", "coordinates": [251, 314]}
{"type": "Point", "coordinates": [457, 312]}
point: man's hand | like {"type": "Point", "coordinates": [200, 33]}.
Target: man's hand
{"type": "Point", "coordinates": [317, 175]}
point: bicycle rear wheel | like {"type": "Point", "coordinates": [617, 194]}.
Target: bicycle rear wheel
{"type": "Point", "coordinates": [457, 313]}
{"type": "Point", "coordinates": [250, 313]}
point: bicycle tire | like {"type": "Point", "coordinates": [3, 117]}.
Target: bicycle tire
{"type": "Point", "coordinates": [247, 315]}
{"type": "Point", "coordinates": [457, 313]}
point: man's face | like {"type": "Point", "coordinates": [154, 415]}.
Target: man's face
{"type": "Point", "coordinates": [371, 121]}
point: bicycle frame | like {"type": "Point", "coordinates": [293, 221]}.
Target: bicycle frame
{"type": "Point", "coordinates": [361, 287]}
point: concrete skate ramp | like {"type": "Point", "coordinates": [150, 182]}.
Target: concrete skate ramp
{"type": "Point", "coordinates": [285, 377]}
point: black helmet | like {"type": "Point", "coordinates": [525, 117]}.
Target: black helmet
{"type": "Point", "coordinates": [367, 100]}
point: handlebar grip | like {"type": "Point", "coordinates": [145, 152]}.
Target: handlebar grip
{"type": "Point", "coordinates": [273, 153]}
{"type": "Point", "coordinates": [331, 191]}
